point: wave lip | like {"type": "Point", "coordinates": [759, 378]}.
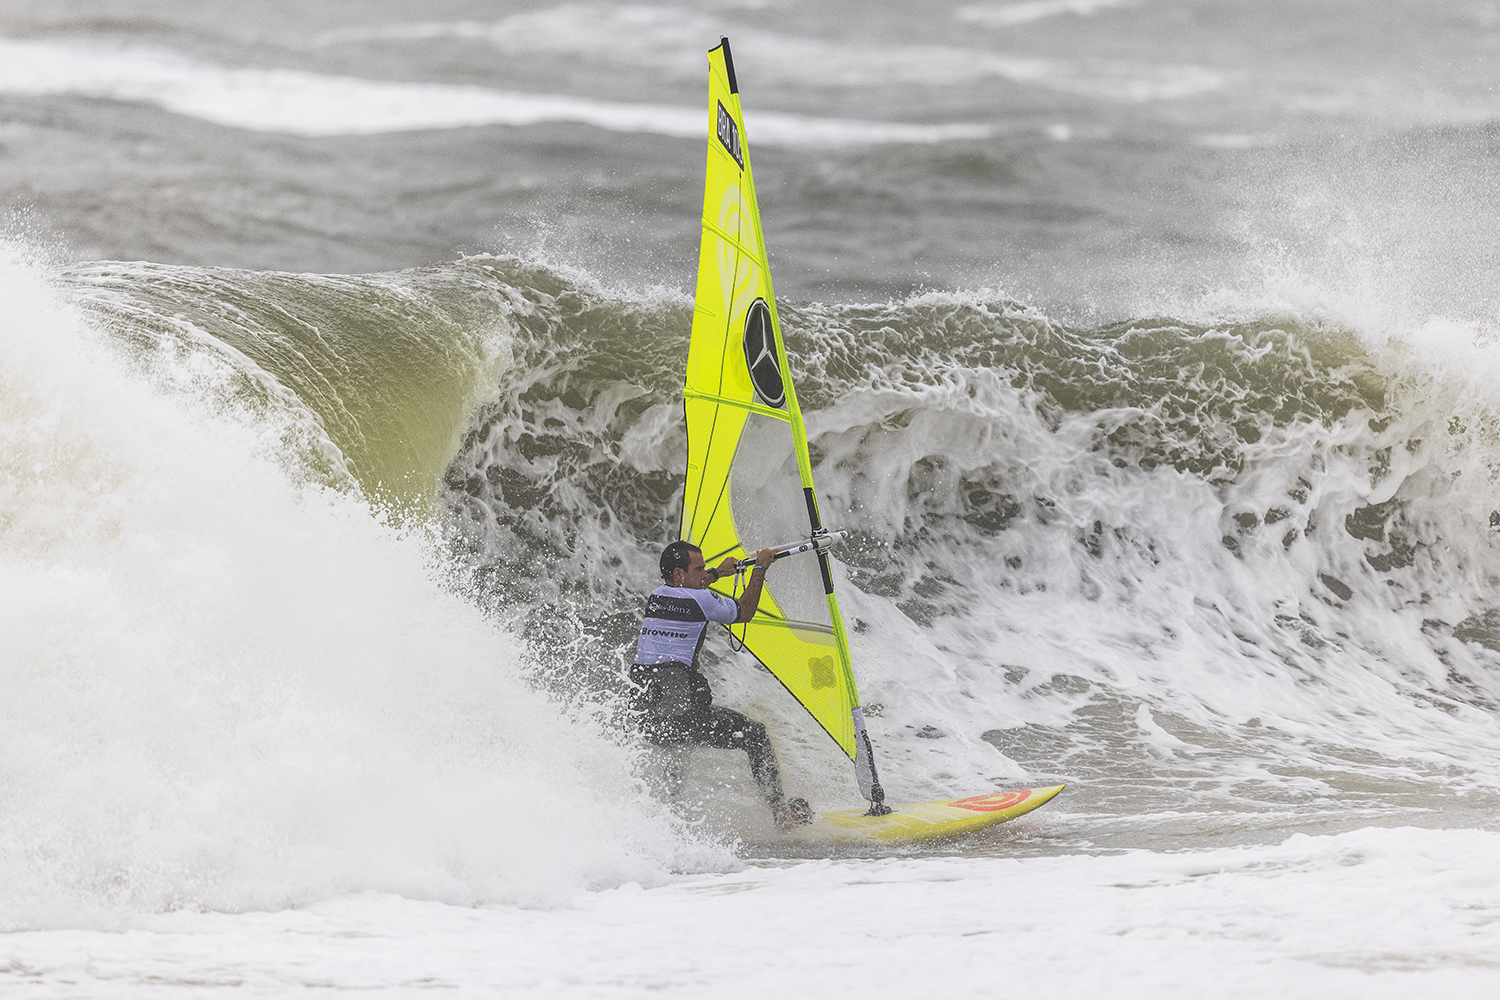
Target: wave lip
{"type": "Point", "coordinates": [318, 105]}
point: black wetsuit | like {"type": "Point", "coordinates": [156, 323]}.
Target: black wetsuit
{"type": "Point", "coordinates": [672, 699]}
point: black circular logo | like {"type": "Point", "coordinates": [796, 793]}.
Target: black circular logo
{"type": "Point", "coordinates": [760, 355]}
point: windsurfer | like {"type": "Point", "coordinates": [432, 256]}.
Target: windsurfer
{"type": "Point", "coordinates": [672, 699]}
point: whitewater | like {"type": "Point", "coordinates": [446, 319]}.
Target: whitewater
{"type": "Point", "coordinates": [276, 725]}
{"type": "Point", "coordinates": [1149, 360]}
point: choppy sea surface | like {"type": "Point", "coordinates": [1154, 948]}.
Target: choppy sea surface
{"type": "Point", "coordinates": [1148, 350]}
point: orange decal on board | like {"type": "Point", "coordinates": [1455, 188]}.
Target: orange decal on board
{"type": "Point", "coordinates": [993, 802]}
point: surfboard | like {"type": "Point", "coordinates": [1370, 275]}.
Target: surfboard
{"type": "Point", "coordinates": [925, 820]}
{"type": "Point", "coordinates": [749, 483]}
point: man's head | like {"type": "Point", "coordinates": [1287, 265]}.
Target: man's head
{"type": "Point", "coordinates": [682, 566]}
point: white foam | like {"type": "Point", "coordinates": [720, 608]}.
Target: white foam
{"type": "Point", "coordinates": [1242, 646]}
{"type": "Point", "coordinates": [228, 689]}
{"type": "Point", "coordinates": [1378, 914]}
{"type": "Point", "coordinates": [311, 104]}
{"type": "Point", "coordinates": [672, 40]}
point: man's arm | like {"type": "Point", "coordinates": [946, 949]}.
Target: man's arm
{"type": "Point", "coordinates": [750, 599]}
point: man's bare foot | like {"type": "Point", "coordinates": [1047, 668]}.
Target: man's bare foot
{"type": "Point", "coordinates": [791, 813]}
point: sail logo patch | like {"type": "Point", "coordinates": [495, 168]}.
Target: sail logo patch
{"type": "Point", "coordinates": [729, 135]}
{"type": "Point", "coordinates": [994, 802]}
{"type": "Point", "coordinates": [822, 672]}
{"type": "Point", "coordinates": [760, 355]}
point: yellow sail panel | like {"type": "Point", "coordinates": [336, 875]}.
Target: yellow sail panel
{"type": "Point", "coordinates": [747, 469]}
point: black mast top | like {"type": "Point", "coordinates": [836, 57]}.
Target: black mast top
{"type": "Point", "coordinates": [734, 87]}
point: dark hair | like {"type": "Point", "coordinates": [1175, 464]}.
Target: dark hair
{"type": "Point", "coordinates": [675, 556]}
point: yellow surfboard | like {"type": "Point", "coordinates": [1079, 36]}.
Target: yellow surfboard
{"type": "Point", "coordinates": [926, 820]}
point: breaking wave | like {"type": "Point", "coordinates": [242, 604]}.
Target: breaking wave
{"type": "Point", "coordinates": [321, 583]}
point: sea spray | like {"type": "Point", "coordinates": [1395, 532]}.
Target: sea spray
{"type": "Point", "coordinates": [231, 688]}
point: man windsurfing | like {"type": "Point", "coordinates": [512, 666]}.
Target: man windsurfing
{"type": "Point", "coordinates": [672, 699]}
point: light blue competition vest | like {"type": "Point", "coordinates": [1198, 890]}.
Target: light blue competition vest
{"type": "Point", "coordinates": [676, 621]}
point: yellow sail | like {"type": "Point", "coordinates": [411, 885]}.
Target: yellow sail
{"type": "Point", "coordinates": [749, 481]}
